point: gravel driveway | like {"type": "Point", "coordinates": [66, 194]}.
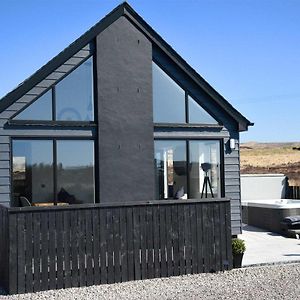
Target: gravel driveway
{"type": "Point", "coordinates": [267, 282]}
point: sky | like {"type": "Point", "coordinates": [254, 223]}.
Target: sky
{"type": "Point", "coordinates": [249, 51]}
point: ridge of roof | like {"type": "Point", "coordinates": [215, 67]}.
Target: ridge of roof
{"type": "Point", "coordinates": [123, 9]}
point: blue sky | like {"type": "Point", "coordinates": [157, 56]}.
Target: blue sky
{"type": "Point", "coordinates": [249, 51]}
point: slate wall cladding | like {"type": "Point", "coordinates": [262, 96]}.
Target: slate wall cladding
{"type": "Point", "coordinates": [125, 117]}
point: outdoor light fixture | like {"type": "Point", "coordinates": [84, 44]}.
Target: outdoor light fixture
{"type": "Point", "coordinates": [232, 144]}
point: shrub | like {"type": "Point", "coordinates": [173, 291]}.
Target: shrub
{"type": "Point", "coordinates": [238, 246]}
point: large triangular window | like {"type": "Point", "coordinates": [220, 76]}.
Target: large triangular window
{"type": "Point", "coordinates": [40, 109]}
{"type": "Point", "coordinates": [172, 104]}
{"type": "Point", "coordinates": [197, 114]}
{"type": "Point", "coordinates": [72, 98]}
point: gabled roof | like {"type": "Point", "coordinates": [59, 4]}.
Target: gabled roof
{"type": "Point", "coordinates": [126, 10]}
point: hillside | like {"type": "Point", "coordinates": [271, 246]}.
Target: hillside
{"type": "Point", "coordinates": [257, 158]}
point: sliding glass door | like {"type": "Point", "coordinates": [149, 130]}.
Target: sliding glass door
{"type": "Point", "coordinates": [50, 171]}
{"type": "Point", "coordinates": [187, 169]}
{"type": "Point", "coordinates": [171, 175]}
{"type": "Point", "coordinates": [33, 170]}
{"type": "Point", "coordinates": [75, 171]}
{"type": "Point", "coordinates": [204, 169]}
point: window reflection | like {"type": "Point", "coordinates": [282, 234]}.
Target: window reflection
{"type": "Point", "coordinates": [204, 161]}
{"type": "Point", "coordinates": [171, 175]}
{"type": "Point", "coordinates": [176, 178]}
{"type": "Point", "coordinates": [74, 95]}
{"type": "Point", "coordinates": [198, 115]}
{"type": "Point", "coordinates": [33, 170]}
{"type": "Point", "coordinates": [40, 109]}
{"type": "Point", "coordinates": [168, 98]}
{"type": "Point", "coordinates": [75, 171]}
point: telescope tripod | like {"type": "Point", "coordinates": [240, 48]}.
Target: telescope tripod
{"type": "Point", "coordinates": [206, 183]}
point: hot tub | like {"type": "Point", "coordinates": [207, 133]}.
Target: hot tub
{"type": "Point", "coordinates": [269, 213]}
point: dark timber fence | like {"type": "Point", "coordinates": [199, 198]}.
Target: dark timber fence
{"type": "Point", "coordinates": [293, 192]}
{"type": "Point", "coordinates": [61, 247]}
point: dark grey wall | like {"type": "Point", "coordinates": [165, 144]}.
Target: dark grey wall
{"type": "Point", "coordinates": [124, 79]}
{"type": "Point", "coordinates": [229, 130]}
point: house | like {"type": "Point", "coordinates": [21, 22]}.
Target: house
{"type": "Point", "coordinates": [116, 121]}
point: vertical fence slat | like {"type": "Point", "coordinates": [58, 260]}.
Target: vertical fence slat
{"type": "Point", "coordinates": [181, 234]}
{"type": "Point", "coordinates": [228, 234]}
{"type": "Point", "coordinates": [116, 246]}
{"type": "Point", "coordinates": [81, 248]}
{"type": "Point", "coordinates": [13, 254]}
{"type": "Point", "coordinates": [88, 249]}
{"type": "Point", "coordinates": [110, 247]}
{"type": "Point", "coordinates": [74, 248]}
{"type": "Point", "coordinates": [211, 239]}
{"type": "Point", "coordinates": [194, 238]}
{"type": "Point", "coordinates": [59, 249]}
{"type": "Point", "coordinates": [123, 238]}
{"type": "Point", "coordinates": [149, 222]}
{"type": "Point", "coordinates": [293, 192]}
{"type": "Point", "coordinates": [21, 253]}
{"type": "Point", "coordinates": [143, 230]}
{"type": "Point", "coordinates": [217, 237]}
{"type": "Point", "coordinates": [103, 246]}
{"type": "Point", "coordinates": [162, 241]}
{"type": "Point", "coordinates": [44, 251]}
{"type": "Point", "coordinates": [29, 242]}
{"type": "Point", "coordinates": [156, 241]}
{"type": "Point", "coordinates": [224, 260]}
{"type": "Point", "coordinates": [67, 248]}
{"type": "Point", "coordinates": [96, 245]}
{"type": "Point", "coordinates": [36, 251]}
{"type": "Point", "coordinates": [136, 242]}
{"type": "Point", "coordinates": [187, 234]}
{"type": "Point", "coordinates": [130, 244]}
{"type": "Point", "coordinates": [169, 245]}
{"type": "Point", "coordinates": [205, 238]}
{"type": "Point", "coordinates": [200, 240]}
{"type": "Point", "coordinates": [175, 235]}
{"type": "Point", "coordinates": [52, 259]}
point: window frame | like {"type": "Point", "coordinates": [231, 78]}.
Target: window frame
{"type": "Point", "coordinates": [187, 94]}
{"type": "Point", "coordinates": [187, 140]}
{"type": "Point", "coordinates": [52, 88]}
{"type": "Point", "coordinates": [54, 151]}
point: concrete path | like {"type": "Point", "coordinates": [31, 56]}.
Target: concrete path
{"type": "Point", "coordinates": [268, 247]}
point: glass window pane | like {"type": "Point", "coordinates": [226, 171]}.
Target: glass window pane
{"type": "Point", "coordinates": [168, 98]}
{"type": "Point", "coordinates": [198, 115]}
{"type": "Point", "coordinates": [75, 95]}
{"type": "Point", "coordinates": [75, 172]}
{"type": "Point", "coordinates": [170, 169]}
{"type": "Point", "coordinates": [204, 169]}
{"type": "Point", "coordinates": [40, 109]}
{"type": "Point", "coordinates": [33, 170]}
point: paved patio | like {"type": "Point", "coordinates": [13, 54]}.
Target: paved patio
{"type": "Point", "coordinates": [268, 247]}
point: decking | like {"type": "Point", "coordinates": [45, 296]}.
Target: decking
{"type": "Point", "coordinates": [82, 245]}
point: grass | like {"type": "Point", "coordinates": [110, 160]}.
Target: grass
{"type": "Point", "coordinates": [271, 158]}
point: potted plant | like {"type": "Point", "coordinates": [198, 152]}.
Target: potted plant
{"type": "Point", "coordinates": [238, 249]}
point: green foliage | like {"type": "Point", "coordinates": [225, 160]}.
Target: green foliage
{"type": "Point", "coordinates": [238, 246]}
